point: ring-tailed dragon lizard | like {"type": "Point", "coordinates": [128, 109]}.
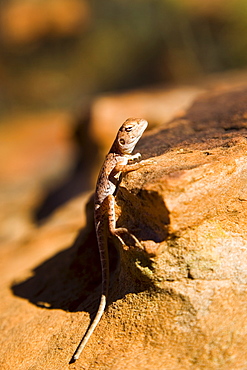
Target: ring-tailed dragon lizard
{"type": "Point", "coordinates": [116, 162]}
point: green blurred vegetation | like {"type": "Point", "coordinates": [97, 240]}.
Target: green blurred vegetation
{"type": "Point", "coordinates": [112, 45]}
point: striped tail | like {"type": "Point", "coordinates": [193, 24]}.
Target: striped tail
{"type": "Point", "coordinates": [103, 250]}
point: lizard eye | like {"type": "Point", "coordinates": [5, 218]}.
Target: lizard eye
{"type": "Point", "coordinates": [128, 129]}
{"type": "Point", "coordinates": [122, 141]}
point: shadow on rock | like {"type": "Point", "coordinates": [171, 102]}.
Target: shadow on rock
{"type": "Point", "coordinates": [79, 178]}
{"type": "Point", "coordinates": [65, 280]}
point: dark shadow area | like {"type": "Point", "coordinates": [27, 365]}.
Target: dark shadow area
{"type": "Point", "coordinates": [146, 226]}
{"type": "Point", "coordinates": [79, 178]}
{"type": "Point", "coordinates": [68, 278]}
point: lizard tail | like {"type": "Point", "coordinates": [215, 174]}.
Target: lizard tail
{"type": "Point", "coordinates": [91, 328]}
{"type": "Point", "coordinates": [102, 243]}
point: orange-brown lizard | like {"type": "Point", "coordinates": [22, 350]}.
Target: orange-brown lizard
{"type": "Point", "coordinates": [116, 162]}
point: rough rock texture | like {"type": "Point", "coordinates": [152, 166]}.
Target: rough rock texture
{"type": "Point", "coordinates": [179, 302]}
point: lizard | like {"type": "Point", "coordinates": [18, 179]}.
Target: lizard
{"type": "Point", "coordinates": [116, 162]}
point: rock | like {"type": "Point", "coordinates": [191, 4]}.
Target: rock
{"type": "Point", "coordinates": [179, 299]}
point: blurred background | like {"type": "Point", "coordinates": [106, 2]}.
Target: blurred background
{"type": "Point", "coordinates": [58, 53]}
{"type": "Point", "coordinates": [72, 70]}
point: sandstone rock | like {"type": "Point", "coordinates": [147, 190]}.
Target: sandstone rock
{"type": "Point", "coordinates": [179, 301]}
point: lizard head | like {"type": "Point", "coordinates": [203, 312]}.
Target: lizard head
{"type": "Point", "coordinates": [129, 134]}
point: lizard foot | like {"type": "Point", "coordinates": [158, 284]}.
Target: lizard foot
{"type": "Point", "coordinates": [123, 230]}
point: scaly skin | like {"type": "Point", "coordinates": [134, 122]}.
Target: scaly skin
{"type": "Point", "coordinates": [116, 162]}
